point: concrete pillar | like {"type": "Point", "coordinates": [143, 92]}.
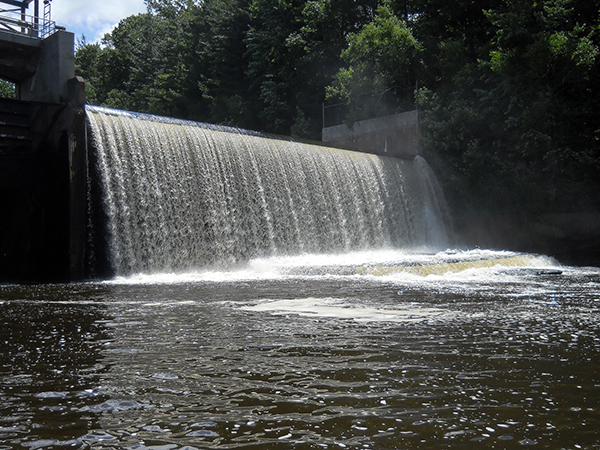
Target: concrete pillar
{"type": "Point", "coordinates": [55, 67]}
{"type": "Point", "coordinates": [77, 91]}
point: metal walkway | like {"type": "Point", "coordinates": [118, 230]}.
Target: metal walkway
{"type": "Point", "coordinates": [14, 18]}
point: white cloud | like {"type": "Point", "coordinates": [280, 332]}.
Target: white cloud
{"type": "Point", "coordinates": [93, 18]}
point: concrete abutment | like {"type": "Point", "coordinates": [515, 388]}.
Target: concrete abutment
{"type": "Point", "coordinates": [43, 169]}
{"type": "Point", "coordinates": [396, 135]}
{"type": "Point", "coordinates": [43, 174]}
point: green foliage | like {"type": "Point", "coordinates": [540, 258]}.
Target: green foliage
{"type": "Point", "coordinates": [383, 60]}
{"type": "Point", "coordinates": [249, 63]}
{"type": "Point", "coordinates": [7, 89]}
{"type": "Point", "coordinates": [139, 66]}
{"type": "Point", "coordinates": [294, 50]}
{"type": "Point", "coordinates": [216, 87]}
{"type": "Point", "coordinates": [519, 128]}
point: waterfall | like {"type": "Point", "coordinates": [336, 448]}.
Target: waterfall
{"type": "Point", "coordinates": [180, 195]}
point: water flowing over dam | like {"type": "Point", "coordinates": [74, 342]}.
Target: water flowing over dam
{"type": "Point", "coordinates": [178, 195]}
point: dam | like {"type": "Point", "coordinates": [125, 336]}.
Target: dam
{"type": "Point", "coordinates": [180, 195]}
{"type": "Point", "coordinates": [107, 192]}
{"type": "Point", "coordinates": [89, 192]}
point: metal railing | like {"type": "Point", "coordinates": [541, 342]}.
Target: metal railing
{"type": "Point", "coordinates": [14, 20]}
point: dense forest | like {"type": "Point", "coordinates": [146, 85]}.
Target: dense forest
{"type": "Point", "coordinates": [508, 90]}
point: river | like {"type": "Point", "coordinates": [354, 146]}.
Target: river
{"type": "Point", "coordinates": [370, 350]}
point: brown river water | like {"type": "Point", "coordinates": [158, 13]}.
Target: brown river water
{"type": "Point", "coordinates": [362, 351]}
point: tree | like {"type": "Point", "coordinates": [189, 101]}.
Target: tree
{"type": "Point", "coordinates": [320, 43]}
{"type": "Point", "coordinates": [383, 61]}
{"type": "Point", "coordinates": [517, 131]}
{"type": "Point", "coordinates": [217, 60]}
{"type": "Point", "coordinates": [294, 50]}
{"type": "Point", "coordinates": [248, 63]}
{"type": "Point", "coordinates": [138, 66]}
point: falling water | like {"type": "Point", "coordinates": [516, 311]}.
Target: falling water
{"type": "Point", "coordinates": [180, 195]}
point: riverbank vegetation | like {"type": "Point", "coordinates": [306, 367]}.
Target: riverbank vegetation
{"type": "Point", "coordinates": [508, 90]}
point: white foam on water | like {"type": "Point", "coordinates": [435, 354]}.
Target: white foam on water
{"type": "Point", "coordinates": [340, 308]}
{"type": "Point", "coordinates": [412, 267]}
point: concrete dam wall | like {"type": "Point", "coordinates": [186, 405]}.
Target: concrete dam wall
{"type": "Point", "coordinates": [42, 191]}
{"type": "Point", "coordinates": [396, 135]}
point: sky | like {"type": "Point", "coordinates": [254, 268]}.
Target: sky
{"type": "Point", "coordinates": [92, 18]}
